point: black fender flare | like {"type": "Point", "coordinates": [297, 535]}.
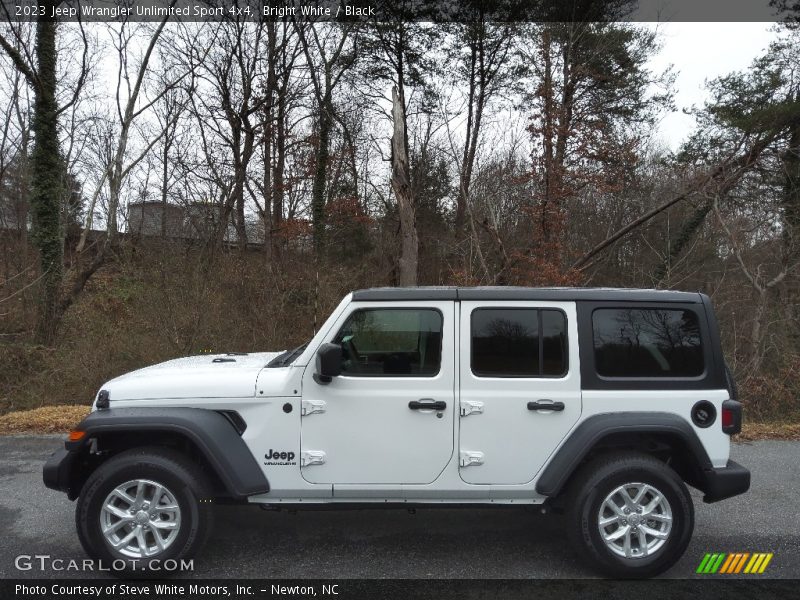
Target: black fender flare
{"type": "Point", "coordinates": [592, 431]}
{"type": "Point", "coordinates": [211, 432]}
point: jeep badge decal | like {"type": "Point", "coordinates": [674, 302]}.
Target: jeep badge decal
{"type": "Point", "coordinates": [278, 457]}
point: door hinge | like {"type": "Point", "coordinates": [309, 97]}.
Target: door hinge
{"type": "Point", "coordinates": [311, 457]}
{"type": "Point", "coordinates": [471, 458]}
{"type": "Point", "coordinates": [469, 407]}
{"type": "Point", "coordinates": [309, 407]}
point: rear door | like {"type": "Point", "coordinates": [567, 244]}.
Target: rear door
{"type": "Point", "coordinates": [520, 387]}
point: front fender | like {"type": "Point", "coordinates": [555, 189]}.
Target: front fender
{"type": "Point", "coordinates": [210, 432]}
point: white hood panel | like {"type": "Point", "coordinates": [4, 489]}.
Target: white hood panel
{"type": "Point", "coordinates": [192, 377]}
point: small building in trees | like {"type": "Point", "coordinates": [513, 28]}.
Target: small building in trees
{"type": "Point", "coordinates": [152, 218]}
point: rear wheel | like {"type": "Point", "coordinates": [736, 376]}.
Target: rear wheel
{"type": "Point", "coordinates": [630, 515]}
{"type": "Point", "coordinates": [142, 505]}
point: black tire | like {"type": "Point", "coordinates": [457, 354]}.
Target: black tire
{"type": "Point", "coordinates": [590, 487]}
{"type": "Point", "coordinates": [168, 467]}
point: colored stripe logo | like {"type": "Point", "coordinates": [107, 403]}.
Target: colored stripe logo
{"type": "Point", "coordinates": [734, 563]}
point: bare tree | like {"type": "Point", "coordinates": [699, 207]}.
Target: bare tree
{"type": "Point", "coordinates": [47, 166]}
{"type": "Point", "coordinates": [401, 185]}
{"type": "Point", "coordinates": [330, 60]}
{"type": "Point", "coordinates": [283, 50]}
{"type": "Point", "coordinates": [761, 282]}
{"type": "Point", "coordinates": [487, 68]}
{"type": "Point", "coordinates": [226, 105]}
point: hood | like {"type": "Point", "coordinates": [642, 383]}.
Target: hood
{"type": "Point", "coordinates": [204, 376]}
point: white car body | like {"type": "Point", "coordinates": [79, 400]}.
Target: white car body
{"type": "Point", "coordinates": [355, 439]}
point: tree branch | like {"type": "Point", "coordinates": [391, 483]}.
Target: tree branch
{"type": "Point", "coordinates": [721, 173]}
{"type": "Point", "coordinates": [19, 62]}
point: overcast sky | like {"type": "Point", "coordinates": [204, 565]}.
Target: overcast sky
{"type": "Point", "coordinates": [700, 52]}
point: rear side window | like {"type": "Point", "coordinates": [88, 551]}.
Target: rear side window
{"type": "Point", "coordinates": [632, 342]}
{"type": "Point", "coordinates": [519, 342]}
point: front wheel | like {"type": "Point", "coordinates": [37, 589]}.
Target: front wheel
{"type": "Point", "coordinates": [630, 515]}
{"type": "Point", "coordinates": [144, 505]}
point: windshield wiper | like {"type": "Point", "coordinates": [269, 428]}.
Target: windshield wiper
{"type": "Point", "coordinates": [286, 358]}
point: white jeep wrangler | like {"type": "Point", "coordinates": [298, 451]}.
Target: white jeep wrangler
{"type": "Point", "coordinates": [600, 403]}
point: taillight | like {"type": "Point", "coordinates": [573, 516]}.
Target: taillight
{"type": "Point", "coordinates": [731, 417]}
{"type": "Point", "coordinates": [727, 417]}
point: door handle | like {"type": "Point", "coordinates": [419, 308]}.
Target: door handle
{"type": "Point", "coordinates": [427, 404]}
{"type": "Point", "coordinates": [546, 405]}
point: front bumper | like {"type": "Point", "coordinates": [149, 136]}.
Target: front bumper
{"type": "Point", "coordinates": [57, 472]}
{"type": "Point", "coordinates": [731, 480]}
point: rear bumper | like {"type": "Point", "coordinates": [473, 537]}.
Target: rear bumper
{"type": "Point", "coordinates": [731, 480]}
{"type": "Point", "coordinates": [57, 471]}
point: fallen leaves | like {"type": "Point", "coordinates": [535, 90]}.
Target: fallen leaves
{"type": "Point", "coordinates": [47, 419]}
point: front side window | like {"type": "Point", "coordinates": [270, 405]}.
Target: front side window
{"type": "Point", "coordinates": [647, 342]}
{"type": "Point", "coordinates": [519, 342]}
{"type": "Point", "coordinates": [388, 342]}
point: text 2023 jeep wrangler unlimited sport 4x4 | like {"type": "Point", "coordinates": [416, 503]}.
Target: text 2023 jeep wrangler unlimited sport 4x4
{"type": "Point", "coordinates": [603, 402]}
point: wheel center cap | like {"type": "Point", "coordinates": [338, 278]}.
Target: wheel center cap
{"type": "Point", "coordinates": [142, 517]}
{"type": "Point", "coordinates": [634, 519]}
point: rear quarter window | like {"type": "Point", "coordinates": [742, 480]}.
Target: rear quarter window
{"type": "Point", "coordinates": [647, 342]}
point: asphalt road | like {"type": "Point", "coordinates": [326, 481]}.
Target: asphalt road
{"type": "Point", "coordinates": [441, 543]}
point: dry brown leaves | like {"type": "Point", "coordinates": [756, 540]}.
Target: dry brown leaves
{"type": "Point", "coordinates": [47, 419]}
{"type": "Point", "coordinates": [769, 431]}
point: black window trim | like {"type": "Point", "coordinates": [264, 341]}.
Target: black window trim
{"type": "Point", "coordinates": [590, 380]}
{"type": "Point", "coordinates": [538, 310]}
{"type": "Point", "coordinates": [395, 308]}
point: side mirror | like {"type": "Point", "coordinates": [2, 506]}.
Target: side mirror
{"type": "Point", "coordinates": [329, 363]}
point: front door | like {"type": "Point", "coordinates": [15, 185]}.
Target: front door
{"type": "Point", "coordinates": [520, 387]}
{"type": "Point", "coordinates": [388, 418]}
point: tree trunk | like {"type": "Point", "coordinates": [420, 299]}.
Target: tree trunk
{"type": "Point", "coordinates": [164, 184]}
{"type": "Point", "coordinates": [686, 234]}
{"type": "Point", "coordinates": [477, 102]}
{"type": "Point", "coordinates": [463, 188]}
{"type": "Point", "coordinates": [321, 171]}
{"type": "Point", "coordinates": [267, 180]}
{"type": "Point", "coordinates": [726, 174]}
{"type": "Point", "coordinates": [241, 229]}
{"type": "Point", "coordinates": [401, 185]}
{"type": "Point", "coordinates": [548, 135]}
{"type": "Point", "coordinates": [46, 181]}
{"type": "Point", "coordinates": [758, 331]}
{"type": "Point", "coordinates": [791, 203]}
{"type": "Point", "coordinates": [281, 130]}
{"type": "Point", "coordinates": [115, 179]}
{"type": "Point", "coordinates": [277, 174]}
{"type": "Point", "coordinates": [241, 160]}
{"type": "Point", "coordinates": [269, 116]}
{"type": "Point", "coordinates": [22, 189]}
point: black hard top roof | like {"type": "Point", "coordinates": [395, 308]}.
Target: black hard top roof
{"type": "Point", "coordinates": [388, 294]}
